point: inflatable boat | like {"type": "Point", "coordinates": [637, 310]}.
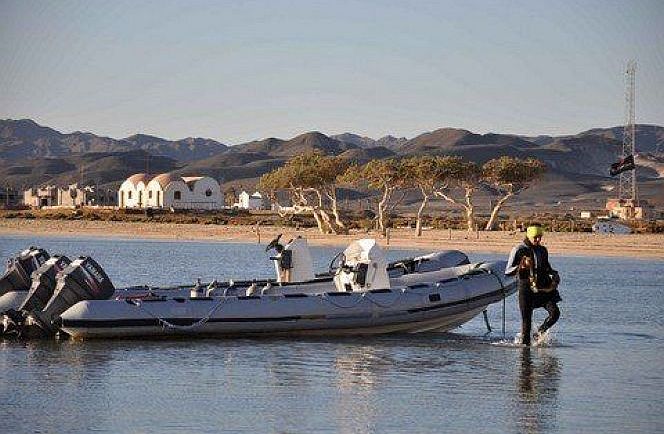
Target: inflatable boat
{"type": "Point", "coordinates": [360, 294]}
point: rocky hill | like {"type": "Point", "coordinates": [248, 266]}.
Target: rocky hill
{"type": "Point", "coordinates": [448, 139]}
{"type": "Point", "coordinates": [308, 142]}
{"type": "Point", "coordinates": [233, 166]}
{"type": "Point", "coordinates": [389, 142]}
{"type": "Point", "coordinates": [356, 140]}
{"type": "Point", "coordinates": [90, 168]}
{"type": "Point", "coordinates": [649, 138]}
{"type": "Point", "coordinates": [363, 155]}
{"type": "Point", "coordinates": [187, 149]}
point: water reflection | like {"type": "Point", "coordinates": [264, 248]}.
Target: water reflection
{"type": "Point", "coordinates": [358, 372]}
{"type": "Point", "coordinates": [359, 368]}
{"type": "Point", "coordinates": [365, 374]}
{"type": "Point", "coordinates": [537, 391]}
{"type": "Point", "coordinates": [290, 366]}
{"type": "Point", "coordinates": [68, 380]}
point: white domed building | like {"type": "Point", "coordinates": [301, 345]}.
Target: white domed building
{"type": "Point", "coordinates": [170, 191]}
{"type": "Point", "coordinates": [132, 191]}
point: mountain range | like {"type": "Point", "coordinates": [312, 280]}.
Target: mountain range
{"type": "Point", "coordinates": [24, 139]}
{"type": "Point", "coordinates": [32, 154]}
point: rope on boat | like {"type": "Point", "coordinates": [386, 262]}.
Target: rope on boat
{"type": "Point", "coordinates": [384, 305]}
{"type": "Point", "coordinates": [329, 300]}
{"type": "Point", "coordinates": [367, 296]}
{"type": "Point", "coordinates": [167, 324]}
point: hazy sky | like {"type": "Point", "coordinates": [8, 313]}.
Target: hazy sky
{"type": "Point", "coordinates": [238, 71]}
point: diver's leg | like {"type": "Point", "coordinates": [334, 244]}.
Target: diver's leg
{"type": "Point", "coordinates": [525, 305]}
{"type": "Point", "coordinates": [554, 313]}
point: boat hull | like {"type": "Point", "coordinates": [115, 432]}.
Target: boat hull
{"type": "Point", "coordinates": [438, 306]}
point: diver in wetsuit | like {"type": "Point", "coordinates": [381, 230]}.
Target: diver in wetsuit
{"type": "Point", "coordinates": [537, 282]}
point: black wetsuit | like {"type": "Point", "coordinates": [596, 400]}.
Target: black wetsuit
{"type": "Point", "coordinates": [529, 300]}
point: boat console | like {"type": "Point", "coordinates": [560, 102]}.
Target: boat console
{"type": "Point", "coordinates": [363, 267]}
{"type": "Point", "coordinates": [293, 261]}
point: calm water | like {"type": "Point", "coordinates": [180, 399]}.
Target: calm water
{"type": "Point", "coordinates": [603, 373]}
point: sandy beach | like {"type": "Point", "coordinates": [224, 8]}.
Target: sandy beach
{"type": "Point", "coordinates": [584, 244]}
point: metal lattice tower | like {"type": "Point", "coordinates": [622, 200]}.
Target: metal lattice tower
{"type": "Point", "coordinates": [627, 181]}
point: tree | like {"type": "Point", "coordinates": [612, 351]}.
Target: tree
{"type": "Point", "coordinates": [456, 173]}
{"type": "Point", "coordinates": [385, 175]}
{"type": "Point", "coordinates": [329, 169]}
{"type": "Point", "coordinates": [507, 177]}
{"type": "Point", "coordinates": [311, 181]}
{"type": "Point", "coordinates": [421, 173]}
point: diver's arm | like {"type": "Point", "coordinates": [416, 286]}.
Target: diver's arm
{"type": "Point", "coordinates": [513, 261]}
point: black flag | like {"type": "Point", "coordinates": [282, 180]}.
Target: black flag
{"type": "Point", "coordinates": [623, 165]}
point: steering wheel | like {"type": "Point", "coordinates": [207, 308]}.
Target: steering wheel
{"type": "Point", "coordinates": [339, 261]}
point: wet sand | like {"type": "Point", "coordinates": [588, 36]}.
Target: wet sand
{"type": "Point", "coordinates": [646, 246]}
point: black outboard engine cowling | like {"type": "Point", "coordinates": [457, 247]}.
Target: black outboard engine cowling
{"type": "Point", "coordinates": [44, 281]}
{"type": "Point", "coordinates": [41, 291]}
{"type": "Point", "coordinates": [20, 268]}
{"type": "Point", "coordinates": [83, 279]}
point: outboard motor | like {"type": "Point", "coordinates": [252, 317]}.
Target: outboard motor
{"type": "Point", "coordinates": [427, 263]}
{"type": "Point", "coordinates": [363, 267]}
{"type": "Point", "coordinates": [20, 268]}
{"type": "Point", "coordinates": [83, 279]}
{"type": "Point", "coordinates": [43, 286]}
{"type": "Point", "coordinates": [44, 281]}
{"type": "Point", "coordinates": [293, 261]}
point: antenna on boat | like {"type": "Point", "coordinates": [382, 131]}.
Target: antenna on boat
{"type": "Point", "coordinates": [504, 314]}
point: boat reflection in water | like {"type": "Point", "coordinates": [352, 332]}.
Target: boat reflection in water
{"type": "Point", "coordinates": [369, 381]}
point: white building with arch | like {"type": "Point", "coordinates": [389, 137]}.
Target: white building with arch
{"type": "Point", "coordinates": [170, 191]}
{"type": "Point", "coordinates": [131, 193]}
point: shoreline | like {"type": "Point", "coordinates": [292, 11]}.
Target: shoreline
{"type": "Point", "coordinates": [645, 246]}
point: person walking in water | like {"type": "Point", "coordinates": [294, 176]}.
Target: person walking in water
{"type": "Point", "coordinates": [537, 282]}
